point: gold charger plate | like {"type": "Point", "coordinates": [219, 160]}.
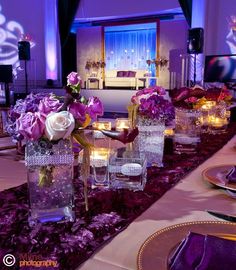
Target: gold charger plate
{"type": "Point", "coordinates": [216, 175]}
{"type": "Point", "coordinates": [155, 251]}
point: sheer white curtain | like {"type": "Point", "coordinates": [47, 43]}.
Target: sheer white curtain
{"type": "Point", "coordinates": [130, 49]}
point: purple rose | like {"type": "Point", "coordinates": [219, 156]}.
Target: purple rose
{"type": "Point", "coordinates": [94, 107]}
{"type": "Point", "coordinates": [30, 125]}
{"type": "Point", "coordinates": [49, 104]}
{"type": "Point", "coordinates": [78, 110]}
{"type": "Point", "coordinates": [73, 79]}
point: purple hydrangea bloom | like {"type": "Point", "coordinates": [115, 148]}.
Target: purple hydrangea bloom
{"type": "Point", "coordinates": [158, 108]}
{"type": "Point", "coordinates": [23, 106]}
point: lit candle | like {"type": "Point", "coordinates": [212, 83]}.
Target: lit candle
{"type": "Point", "coordinates": [99, 125]}
{"type": "Point", "coordinates": [208, 105]}
{"type": "Point", "coordinates": [169, 132]}
{"type": "Point", "coordinates": [99, 157]}
{"type": "Point", "coordinates": [122, 123]}
{"type": "Point", "coordinates": [217, 121]}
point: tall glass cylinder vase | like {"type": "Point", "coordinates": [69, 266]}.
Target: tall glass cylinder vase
{"type": "Point", "coordinates": [50, 173]}
{"type": "Point", "coordinates": [150, 141]}
{"type": "Point", "coordinates": [187, 130]}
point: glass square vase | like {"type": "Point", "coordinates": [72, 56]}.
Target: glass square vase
{"type": "Point", "coordinates": [127, 170]}
{"type": "Point", "coordinates": [50, 174]}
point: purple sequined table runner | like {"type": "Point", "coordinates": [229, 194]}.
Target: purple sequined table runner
{"type": "Point", "coordinates": [110, 212]}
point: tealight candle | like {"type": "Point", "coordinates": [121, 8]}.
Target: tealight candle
{"type": "Point", "coordinates": [208, 105]}
{"type": "Point", "coordinates": [122, 123]}
{"type": "Point", "coordinates": [169, 132]}
{"type": "Point", "coordinates": [99, 157]}
{"type": "Point", "coordinates": [217, 122]}
{"type": "Point", "coordinates": [99, 125]}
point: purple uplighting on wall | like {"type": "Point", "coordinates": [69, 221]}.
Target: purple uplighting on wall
{"type": "Point", "coordinates": [10, 34]}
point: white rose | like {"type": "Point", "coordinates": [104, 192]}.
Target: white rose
{"type": "Point", "coordinates": [59, 125]}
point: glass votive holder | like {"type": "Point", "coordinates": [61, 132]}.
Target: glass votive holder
{"type": "Point", "coordinates": [204, 118]}
{"type": "Point", "coordinates": [168, 143]}
{"type": "Point", "coordinates": [169, 132]}
{"type": "Point", "coordinates": [127, 171]}
{"type": "Point", "coordinates": [122, 123]}
{"type": "Point", "coordinates": [99, 125]}
{"type": "Point", "coordinates": [219, 119]}
{"type": "Point", "coordinates": [98, 164]}
{"type": "Point", "coordinates": [187, 131]}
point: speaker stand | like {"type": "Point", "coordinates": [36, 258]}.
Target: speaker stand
{"type": "Point", "coordinates": [7, 94]}
{"type": "Point", "coordinates": [26, 78]}
{"type": "Point", "coordinates": [195, 69]}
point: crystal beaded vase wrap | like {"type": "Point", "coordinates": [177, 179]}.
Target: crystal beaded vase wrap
{"type": "Point", "coordinates": [150, 141]}
{"type": "Point", "coordinates": [49, 167]}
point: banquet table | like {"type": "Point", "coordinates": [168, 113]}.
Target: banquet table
{"type": "Point", "coordinates": [185, 202]}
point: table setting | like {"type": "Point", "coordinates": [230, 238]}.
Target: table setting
{"type": "Point", "coordinates": [117, 185]}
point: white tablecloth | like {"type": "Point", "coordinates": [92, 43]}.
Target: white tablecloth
{"type": "Point", "coordinates": [187, 201]}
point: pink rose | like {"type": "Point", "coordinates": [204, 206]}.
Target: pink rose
{"type": "Point", "coordinates": [30, 125]}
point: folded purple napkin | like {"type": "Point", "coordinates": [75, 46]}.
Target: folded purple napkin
{"type": "Point", "coordinates": [200, 252]}
{"type": "Point", "coordinates": [231, 176]}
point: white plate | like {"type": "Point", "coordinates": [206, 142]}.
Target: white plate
{"type": "Point", "coordinates": [156, 250]}
{"type": "Point", "coordinates": [217, 176]}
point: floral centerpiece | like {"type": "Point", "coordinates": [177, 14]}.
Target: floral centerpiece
{"type": "Point", "coordinates": [161, 61]}
{"type": "Point", "coordinates": [94, 64]}
{"type": "Point", "coordinates": [150, 103]}
{"type": "Point", "coordinates": [151, 112]}
{"type": "Point", "coordinates": [195, 112]}
{"type": "Point", "coordinates": [196, 97]}
{"type": "Point", "coordinates": [47, 124]}
{"type": "Point", "coordinates": [47, 117]}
